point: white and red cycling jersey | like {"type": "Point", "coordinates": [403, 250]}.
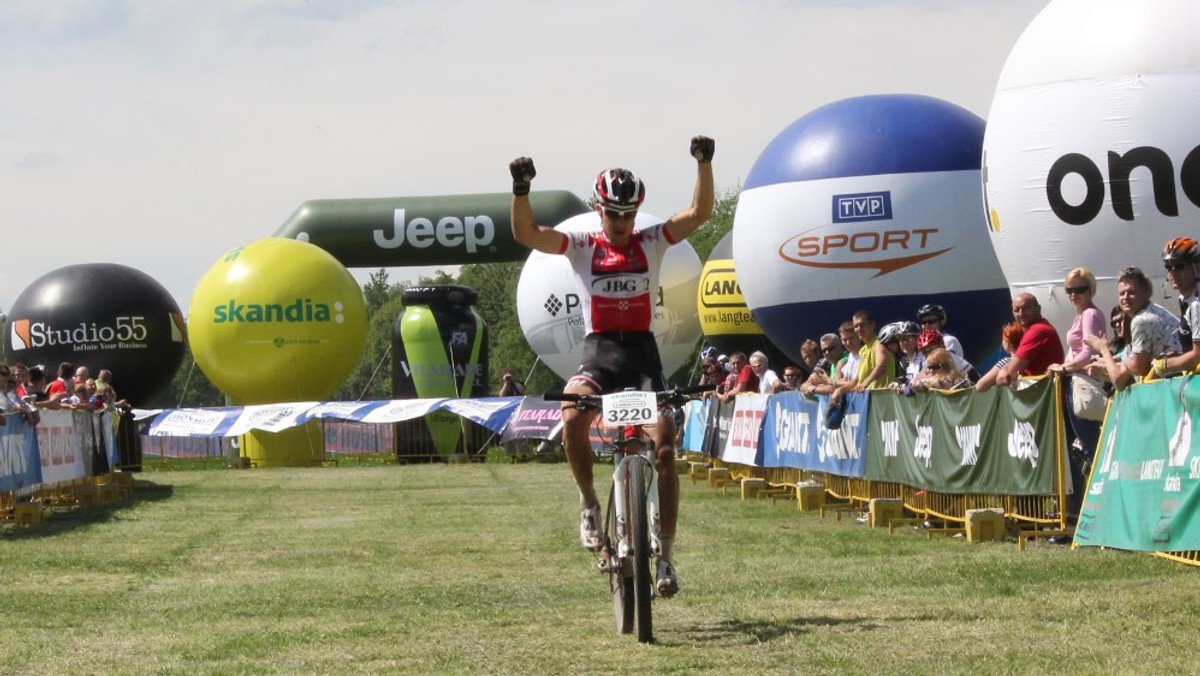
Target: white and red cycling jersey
{"type": "Point", "coordinates": [618, 286]}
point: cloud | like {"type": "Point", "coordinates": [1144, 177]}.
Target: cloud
{"type": "Point", "coordinates": [161, 134]}
{"type": "Point", "coordinates": [37, 160]}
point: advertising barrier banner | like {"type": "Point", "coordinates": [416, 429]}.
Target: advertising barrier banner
{"type": "Point", "coordinates": [535, 418]}
{"type": "Point", "coordinates": [794, 434]}
{"type": "Point", "coordinates": [1146, 482]}
{"type": "Point", "coordinates": [343, 437]}
{"type": "Point", "coordinates": [996, 442]}
{"type": "Point", "coordinates": [695, 416]}
{"type": "Point", "coordinates": [62, 456]}
{"type": "Point", "coordinates": [20, 465]}
{"type": "Point", "coordinates": [716, 427]}
{"type": "Point", "coordinates": [741, 443]}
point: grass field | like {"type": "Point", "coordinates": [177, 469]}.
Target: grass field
{"type": "Point", "coordinates": [475, 568]}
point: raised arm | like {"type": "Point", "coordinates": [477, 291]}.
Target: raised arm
{"type": "Point", "coordinates": [524, 228]}
{"type": "Point", "coordinates": [684, 223]}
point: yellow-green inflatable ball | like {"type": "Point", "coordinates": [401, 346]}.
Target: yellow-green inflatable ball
{"type": "Point", "coordinates": [277, 320]}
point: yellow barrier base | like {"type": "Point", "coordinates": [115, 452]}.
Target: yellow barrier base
{"type": "Point", "coordinates": [985, 524]}
{"type": "Point", "coordinates": [697, 471]}
{"type": "Point", "coordinates": [124, 483]}
{"type": "Point", "coordinates": [718, 477]}
{"type": "Point", "coordinates": [107, 494]}
{"type": "Point", "coordinates": [751, 487]}
{"type": "Point", "coordinates": [809, 497]}
{"type": "Point", "coordinates": [883, 510]}
{"type": "Point", "coordinates": [85, 496]}
{"type": "Point", "coordinates": [28, 513]}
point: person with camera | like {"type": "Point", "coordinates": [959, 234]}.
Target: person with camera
{"type": "Point", "coordinates": [511, 387]}
{"type": "Point", "coordinates": [619, 350]}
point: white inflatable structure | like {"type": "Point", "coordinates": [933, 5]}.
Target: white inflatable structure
{"type": "Point", "coordinates": [1092, 148]}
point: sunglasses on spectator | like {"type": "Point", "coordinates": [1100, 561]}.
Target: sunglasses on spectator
{"type": "Point", "coordinates": [1076, 289]}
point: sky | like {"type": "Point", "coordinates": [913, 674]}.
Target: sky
{"type": "Point", "coordinates": [160, 135]}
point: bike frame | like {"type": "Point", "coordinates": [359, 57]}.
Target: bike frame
{"type": "Point", "coordinates": [627, 451]}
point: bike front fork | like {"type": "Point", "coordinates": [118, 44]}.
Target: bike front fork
{"type": "Point", "coordinates": [620, 483]}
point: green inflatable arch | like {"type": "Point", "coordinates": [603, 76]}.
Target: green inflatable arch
{"type": "Point", "coordinates": [437, 230]}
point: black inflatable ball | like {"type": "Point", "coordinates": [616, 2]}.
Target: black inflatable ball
{"type": "Point", "coordinates": [102, 316]}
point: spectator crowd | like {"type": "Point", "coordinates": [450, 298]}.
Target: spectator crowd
{"type": "Point", "coordinates": [912, 355]}
{"type": "Point", "coordinates": [24, 391]}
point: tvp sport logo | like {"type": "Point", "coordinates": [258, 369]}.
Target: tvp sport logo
{"type": "Point", "coordinates": [867, 246]}
{"type": "Point", "coordinates": [866, 206]}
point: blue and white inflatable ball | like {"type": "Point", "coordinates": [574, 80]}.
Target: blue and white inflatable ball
{"type": "Point", "coordinates": [871, 203]}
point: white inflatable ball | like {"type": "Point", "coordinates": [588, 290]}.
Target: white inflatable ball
{"type": "Point", "coordinates": [1091, 156]}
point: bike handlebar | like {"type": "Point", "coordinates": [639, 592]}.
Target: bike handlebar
{"type": "Point", "coordinates": [664, 397]}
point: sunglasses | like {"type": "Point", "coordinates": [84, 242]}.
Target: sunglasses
{"type": "Point", "coordinates": [1076, 289]}
{"type": "Point", "coordinates": [827, 349]}
{"type": "Point", "coordinates": [929, 320]}
{"type": "Point", "coordinates": [1174, 267]}
{"type": "Point", "coordinates": [620, 215]}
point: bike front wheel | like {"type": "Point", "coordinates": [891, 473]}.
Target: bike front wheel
{"type": "Point", "coordinates": [620, 577]}
{"type": "Point", "coordinates": [639, 532]}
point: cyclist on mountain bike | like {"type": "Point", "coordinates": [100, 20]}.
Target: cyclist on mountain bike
{"type": "Point", "coordinates": [616, 272]}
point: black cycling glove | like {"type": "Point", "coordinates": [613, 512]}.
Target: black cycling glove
{"type": "Point", "coordinates": [702, 148]}
{"type": "Point", "coordinates": [522, 174]}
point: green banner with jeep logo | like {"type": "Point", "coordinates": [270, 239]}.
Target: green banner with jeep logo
{"type": "Point", "coordinates": [428, 230]}
{"type": "Point", "coordinates": [996, 442]}
{"type": "Point", "coordinates": [1145, 486]}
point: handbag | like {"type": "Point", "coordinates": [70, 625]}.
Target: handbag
{"type": "Point", "coordinates": [1088, 401]}
{"type": "Point", "coordinates": [834, 413]}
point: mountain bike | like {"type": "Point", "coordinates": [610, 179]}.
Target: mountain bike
{"type": "Point", "coordinates": [631, 520]}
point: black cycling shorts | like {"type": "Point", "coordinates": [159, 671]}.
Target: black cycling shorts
{"type": "Point", "coordinates": [619, 360]}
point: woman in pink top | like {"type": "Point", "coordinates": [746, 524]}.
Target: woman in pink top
{"type": "Point", "coordinates": [1080, 286]}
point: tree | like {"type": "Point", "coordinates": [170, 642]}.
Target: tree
{"type": "Point", "coordinates": [189, 388]}
{"type": "Point", "coordinates": [496, 284]}
{"type": "Point", "coordinates": [704, 240]}
{"type": "Point", "coordinates": [372, 378]}
{"type": "Point", "coordinates": [709, 234]}
{"type": "Point", "coordinates": [376, 291]}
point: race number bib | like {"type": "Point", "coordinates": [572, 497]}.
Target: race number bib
{"type": "Point", "coordinates": [630, 408]}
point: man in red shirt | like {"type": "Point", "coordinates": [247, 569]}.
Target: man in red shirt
{"type": "Point", "coordinates": [742, 377]}
{"type": "Point", "coordinates": [616, 275]}
{"type": "Point", "coordinates": [63, 385]}
{"type": "Point", "coordinates": [1040, 346]}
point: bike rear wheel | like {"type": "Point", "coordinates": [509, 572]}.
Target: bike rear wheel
{"type": "Point", "coordinates": [639, 531]}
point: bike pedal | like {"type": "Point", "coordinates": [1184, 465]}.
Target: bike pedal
{"type": "Point", "coordinates": [603, 561]}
